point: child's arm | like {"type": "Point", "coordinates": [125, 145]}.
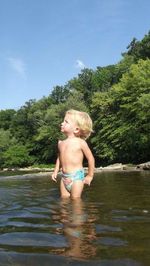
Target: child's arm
{"type": "Point", "coordinates": [56, 170]}
{"type": "Point", "coordinates": [91, 163]}
{"type": "Point", "coordinates": [57, 166]}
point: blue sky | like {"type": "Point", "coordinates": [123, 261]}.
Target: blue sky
{"type": "Point", "coordinates": [44, 43]}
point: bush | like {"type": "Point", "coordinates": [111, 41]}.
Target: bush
{"type": "Point", "coordinates": [17, 156]}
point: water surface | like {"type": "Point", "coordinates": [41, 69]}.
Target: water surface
{"type": "Point", "coordinates": [109, 226]}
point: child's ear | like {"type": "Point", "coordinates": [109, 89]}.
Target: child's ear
{"type": "Point", "coordinates": [77, 130]}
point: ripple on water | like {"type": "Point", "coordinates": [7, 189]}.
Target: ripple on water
{"type": "Point", "coordinates": [107, 228]}
{"type": "Point", "coordinates": [111, 241]}
{"type": "Point", "coordinates": [33, 239]}
{"type": "Point", "coordinates": [24, 259]}
{"type": "Point", "coordinates": [130, 215]}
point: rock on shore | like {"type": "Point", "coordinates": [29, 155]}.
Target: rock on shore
{"type": "Point", "coordinates": [144, 166]}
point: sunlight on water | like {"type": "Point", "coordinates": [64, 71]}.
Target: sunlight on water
{"type": "Point", "coordinates": [109, 226]}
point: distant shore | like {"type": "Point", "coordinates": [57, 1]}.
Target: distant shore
{"type": "Point", "coordinates": [47, 171]}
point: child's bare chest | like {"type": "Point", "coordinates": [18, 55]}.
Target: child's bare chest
{"type": "Point", "coordinates": [70, 147]}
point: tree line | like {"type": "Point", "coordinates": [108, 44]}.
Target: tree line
{"type": "Point", "coordinates": [116, 96]}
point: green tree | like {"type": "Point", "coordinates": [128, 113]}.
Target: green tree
{"type": "Point", "coordinates": [85, 84]}
{"type": "Point", "coordinates": [17, 156]}
{"type": "Point", "coordinates": [139, 49]}
{"type": "Point", "coordinates": [122, 117]}
{"type": "Point", "coordinates": [104, 78]}
{"type": "Point", "coordinates": [6, 117]}
{"type": "Point", "coordinates": [5, 142]}
{"type": "Point", "coordinates": [59, 94]}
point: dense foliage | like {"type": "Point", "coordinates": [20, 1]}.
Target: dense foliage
{"type": "Point", "coordinates": [116, 96]}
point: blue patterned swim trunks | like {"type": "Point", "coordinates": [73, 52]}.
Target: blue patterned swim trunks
{"type": "Point", "coordinates": [69, 179]}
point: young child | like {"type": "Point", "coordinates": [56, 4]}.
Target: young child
{"type": "Point", "coordinates": [77, 126]}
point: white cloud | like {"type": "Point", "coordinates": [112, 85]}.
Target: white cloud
{"type": "Point", "coordinates": [17, 65]}
{"type": "Point", "coordinates": [79, 64]}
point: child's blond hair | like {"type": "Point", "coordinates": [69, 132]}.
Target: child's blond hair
{"type": "Point", "coordinates": [83, 122]}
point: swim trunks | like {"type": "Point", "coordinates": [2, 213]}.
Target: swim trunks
{"type": "Point", "coordinates": [69, 179]}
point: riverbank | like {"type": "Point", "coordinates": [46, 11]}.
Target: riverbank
{"type": "Point", "coordinates": [35, 171]}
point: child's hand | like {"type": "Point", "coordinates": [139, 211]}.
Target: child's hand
{"type": "Point", "coordinates": [88, 180]}
{"type": "Point", "coordinates": [54, 177]}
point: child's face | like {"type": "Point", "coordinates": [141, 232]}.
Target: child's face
{"type": "Point", "coordinates": [68, 126]}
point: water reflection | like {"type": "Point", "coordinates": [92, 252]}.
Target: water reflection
{"type": "Point", "coordinates": [78, 228]}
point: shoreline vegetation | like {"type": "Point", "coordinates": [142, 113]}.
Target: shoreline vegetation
{"type": "Point", "coordinates": [37, 171]}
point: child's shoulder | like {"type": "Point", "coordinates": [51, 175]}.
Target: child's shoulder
{"type": "Point", "coordinates": [59, 142]}
{"type": "Point", "coordinates": [81, 141]}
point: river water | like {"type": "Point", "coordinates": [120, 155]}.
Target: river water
{"type": "Point", "coordinates": [109, 226]}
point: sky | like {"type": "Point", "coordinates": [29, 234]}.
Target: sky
{"type": "Point", "coordinates": [45, 43]}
